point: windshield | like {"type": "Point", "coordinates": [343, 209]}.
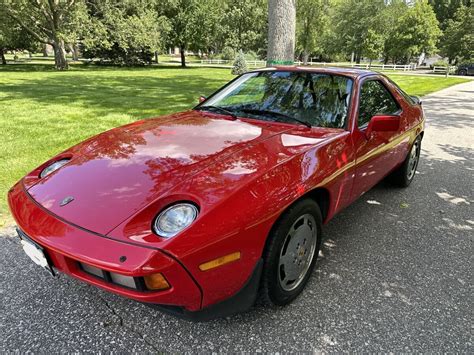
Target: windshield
{"type": "Point", "coordinates": [314, 99]}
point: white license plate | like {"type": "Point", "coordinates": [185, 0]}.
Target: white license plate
{"type": "Point", "coordinates": [36, 254]}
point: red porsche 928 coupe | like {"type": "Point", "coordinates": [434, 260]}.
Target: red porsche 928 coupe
{"type": "Point", "coordinates": [202, 211]}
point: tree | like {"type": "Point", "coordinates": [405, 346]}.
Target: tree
{"type": "Point", "coordinates": [354, 19]}
{"type": "Point", "coordinates": [281, 31]}
{"type": "Point", "coordinates": [48, 21]}
{"type": "Point", "coordinates": [14, 37]}
{"type": "Point", "coordinates": [311, 26]}
{"type": "Point", "coordinates": [206, 22]}
{"type": "Point", "coordinates": [446, 10]}
{"type": "Point", "coordinates": [245, 25]}
{"type": "Point", "coordinates": [125, 32]}
{"type": "Point", "coordinates": [373, 45]}
{"type": "Point", "coordinates": [240, 65]}
{"type": "Point", "coordinates": [416, 32]}
{"type": "Point", "coordinates": [7, 39]}
{"type": "Point", "coordinates": [457, 42]}
{"type": "Point", "coordinates": [192, 23]}
{"type": "Point", "coordinates": [389, 18]}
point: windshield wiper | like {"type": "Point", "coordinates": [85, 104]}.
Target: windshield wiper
{"type": "Point", "coordinates": [268, 112]}
{"type": "Point", "coordinates": [217, 108]}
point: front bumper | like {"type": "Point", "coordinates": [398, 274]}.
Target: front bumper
{"type": "Point", "coordinates": [67, 245]}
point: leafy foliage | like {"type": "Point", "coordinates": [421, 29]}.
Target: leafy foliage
{"type": "Point", "coordinates": [245, 24]}
{"type": "Point", "coordinates": [312, 26]}
{"type": "Point", "coordinates": [373, 44]}
{"type": "Point", "coordinates": [189, 25]}
{"type": "Point", "coordinates": [446, 9]}
{"type": "Point", "coordinates": [47, 21]}
{"type": "Point", "coordinates": [354, 19]}
{"type": "Point", "coordinates": [14, 37]}
{"type": "Point", "coordinates": [129, 32]}
{"type": "Point", "coordinates": [416, 32]}
{"type": "Point", "coordinates": [458, 40]}
{"type": "Point", "coordinates": [126, 32]}
{"type": "Point", "coordinates": [228, 53]}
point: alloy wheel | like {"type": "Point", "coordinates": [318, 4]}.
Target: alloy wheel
{"type": "Point", "coordinates": [413, 161]}
{"type": "Point", "coordinates": [297, 252]}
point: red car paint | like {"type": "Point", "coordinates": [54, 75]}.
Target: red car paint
{"type": "Point", "coordinates": [241, 173]}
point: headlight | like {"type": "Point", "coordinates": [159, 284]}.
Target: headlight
{"type": "Point", "coordinates": [53, 167]}
{"type": "Point", "coordinates": [174, 219]}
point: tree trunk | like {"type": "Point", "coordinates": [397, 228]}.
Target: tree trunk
{"type": "Point", "coordinates": [281, 32]}
{"type": "Point", "coordinates": [183, 57]}
{"type": "Point", "coordinates": [156, 57]}
{"type": "Point", "coordinates": [2, 55]}
{"type": "Point", "coordinates": [75, 52]}
{"type": "Point", "coordinates": [45, 50]}
{"type": "Point", "coordinates": [305, 57]}
{"type": "Point", "coordinates": [60, 61]}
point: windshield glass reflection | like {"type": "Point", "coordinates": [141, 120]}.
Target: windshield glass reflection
{"type": "Point", "coordinates": [315, 99]}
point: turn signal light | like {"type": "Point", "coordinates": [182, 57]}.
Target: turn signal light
{"type": "Point", "coordinates": [156, 282]}
{"type": "Point", "coordinates": [220, 261]}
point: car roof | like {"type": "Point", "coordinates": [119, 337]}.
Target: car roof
{"type": "Point", "coordinates": [351, 72]}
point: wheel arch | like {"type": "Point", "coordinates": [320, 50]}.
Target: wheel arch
{"type": "Point", "coordinates": [320, 195]}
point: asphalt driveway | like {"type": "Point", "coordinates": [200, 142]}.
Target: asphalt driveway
{"type": "Point", "coordinates": [395, 275]}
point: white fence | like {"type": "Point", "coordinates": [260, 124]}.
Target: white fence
{"type": "Point", "coordinates": [442, 70]}
{"type": "Point", "coordinates": [365, 66]}
{"type": "Point", "coordinates": [262, 63]}
{"type": "Point", "coordinates": [250, 63]}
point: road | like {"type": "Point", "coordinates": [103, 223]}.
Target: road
{"type": "Point", "coordinates": [395, 274]}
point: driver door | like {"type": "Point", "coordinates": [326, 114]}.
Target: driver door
{"type": "Point", "coordinates": [374, 154]}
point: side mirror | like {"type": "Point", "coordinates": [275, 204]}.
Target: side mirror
{"type": "Point", "coordinates": [202, 98]}
{"type": "Point", "coordinates": [416, 99]}
{"type": "Point", "coordinates": [383, 123]}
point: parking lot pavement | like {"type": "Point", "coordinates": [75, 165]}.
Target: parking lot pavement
{"type": "Point", "coordinates": [395, 274]}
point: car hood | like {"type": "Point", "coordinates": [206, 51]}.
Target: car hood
{"type": "Point", "coordinates": [115, 174]}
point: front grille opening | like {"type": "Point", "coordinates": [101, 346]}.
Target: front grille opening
{"type": "Point", "coordinates": [135, 283]}
{"type": "Point", "coordinates": [122, 280]}
{"type": "Point", "coordinates": [92, 270]}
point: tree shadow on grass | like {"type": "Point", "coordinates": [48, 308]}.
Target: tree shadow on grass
{"type": "Point", "coordinates": [81, 66]}
{"type": "Point", "coordinates": [23, 67]}
{"type": "Point", "coordinates": [134, 92]}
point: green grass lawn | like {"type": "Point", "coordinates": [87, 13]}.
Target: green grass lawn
{"type": "Point", "coordinates": [42, 111]}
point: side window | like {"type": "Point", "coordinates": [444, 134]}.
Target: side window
{"type": "Point", "coordinates": [375, 99]}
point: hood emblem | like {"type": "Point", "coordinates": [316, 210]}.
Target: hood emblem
{"type": "Point", "coordinates": [66, 200]}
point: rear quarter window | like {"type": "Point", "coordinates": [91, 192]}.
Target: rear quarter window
{"type": "Point", "coordinates": [407, 97]}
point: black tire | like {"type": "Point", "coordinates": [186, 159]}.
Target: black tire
{"type": "Point", "coordinates": [462, 72]}
{"type": "Point", "coordinates": [405, 174]}
{"type": "Point", "coordinates": [296, 217]}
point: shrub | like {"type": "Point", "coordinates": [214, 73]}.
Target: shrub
{"type": "Point", "coordinates": [440, 63]}
{"type": "Point", "coordinates": [117, 55]}
{"type": "Point", "coordinates": [240, 65]}
{"type": "Point", "coordinates": [228, 53]}
{"type": "Point", "coordinates": [251, 55]}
